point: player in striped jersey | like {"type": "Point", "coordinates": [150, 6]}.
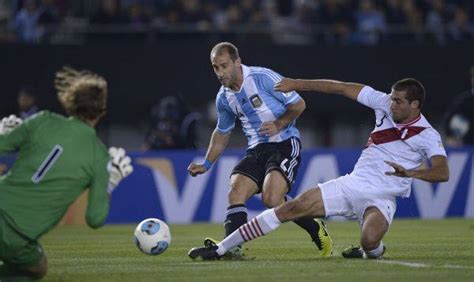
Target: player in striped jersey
{"type": "Point", "coordinates": [399, 144]}
{"type": "Point", "coordinates": [273, 155]}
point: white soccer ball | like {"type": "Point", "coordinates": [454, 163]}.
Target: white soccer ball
{"type": "Point", "coordinates": [152, 236]}
{"type": "Point", "coordinates": [459, 125]}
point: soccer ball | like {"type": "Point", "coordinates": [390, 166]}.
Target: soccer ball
{"type": "Point", "coordinates": [459, 125]}
{"type": "Point", "coordinates": [152, 236]}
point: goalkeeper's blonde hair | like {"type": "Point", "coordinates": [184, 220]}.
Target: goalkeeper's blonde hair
{"type": "Point", "coordinates": [82, 93]}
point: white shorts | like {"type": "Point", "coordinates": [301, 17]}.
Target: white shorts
{"type": "Point", "coordinates": [349, 196]}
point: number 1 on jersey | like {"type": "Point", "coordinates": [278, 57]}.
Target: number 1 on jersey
{"type": "Point", "coordinates": [47, 164]}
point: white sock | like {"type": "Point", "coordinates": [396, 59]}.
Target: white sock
{"type": "Point", "coordinates": [375, 253]}
{"type": "Point", "coordinates": [261, 225]}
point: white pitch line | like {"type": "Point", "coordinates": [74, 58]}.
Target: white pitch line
{"type": "Point", "coordinates": [405, 263]}
{"type": "Point", "coordinates": [424, 265]}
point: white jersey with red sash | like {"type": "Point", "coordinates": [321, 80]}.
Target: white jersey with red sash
{"type": "Point", "coordinates": [409, 145]}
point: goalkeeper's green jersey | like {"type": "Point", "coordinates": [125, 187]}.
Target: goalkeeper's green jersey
{"type": "Point", "coordinates": [58, 158]}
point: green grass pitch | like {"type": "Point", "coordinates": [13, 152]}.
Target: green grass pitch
{"type": "Point", "coordinates": [429, 250]}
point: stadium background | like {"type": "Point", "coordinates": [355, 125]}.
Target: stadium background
{"type": "Point", "coordinates": [164, 51]}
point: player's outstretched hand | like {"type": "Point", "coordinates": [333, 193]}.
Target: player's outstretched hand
{"type": "Point", "coordinates": [196, 169]}
{"type": "Point", "coordinates": [270, 128]}
{"type": "Point", "coordinates": [400, 171]}
{"type": "Point", "coordinates": [119, 167]}
{"type": "Point", "coordinates": [8, 124]}
{"type": "Point", "coordinates": [285, 85]}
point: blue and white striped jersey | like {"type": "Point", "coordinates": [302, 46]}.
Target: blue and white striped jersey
{"type": "Point", "coordinates": [255, 103]}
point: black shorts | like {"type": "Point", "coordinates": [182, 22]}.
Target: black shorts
{"type": "Point", "coordinates": [283, 156]}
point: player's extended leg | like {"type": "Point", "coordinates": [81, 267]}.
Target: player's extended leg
{"type": "Point", "coordinates": [12, 271]}
{"type": "Point", "coordinates": [308, 204]}
{"type": "Point", "coordinates": [21, 256]}
{"type": "Point", "coordinates": [374, 227]}
{"type": "Point", "coordinates": [275, 188]}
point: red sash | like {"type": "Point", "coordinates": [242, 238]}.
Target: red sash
{"type": "Point", "coordinates": [393, 134]}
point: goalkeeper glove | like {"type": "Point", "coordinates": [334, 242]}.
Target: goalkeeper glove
{"type": "Point", "coordinates": [119, 167]}
{"type": "Point", "coordinates": [9, 123]}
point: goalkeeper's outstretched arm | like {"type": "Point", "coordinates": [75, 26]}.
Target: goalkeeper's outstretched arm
{"type": "Point", "coordinates": [107, 174]}
{"type": "Point", "coordinates": [348, 89]}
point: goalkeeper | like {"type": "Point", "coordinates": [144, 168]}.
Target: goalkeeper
{"type": "Point", "coordinates": [58, 158]}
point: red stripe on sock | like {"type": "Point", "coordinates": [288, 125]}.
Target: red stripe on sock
{"type": "Point", "coordinates": [249, 227]}
{"type": "Point", "coordinates": [242, 234]}
{"type": "Point", "coordinates": [254, 227]}
{"type": "Point", "coordinates": [258, 226]}
{"type": "Point", "coordinates": [249, 231]}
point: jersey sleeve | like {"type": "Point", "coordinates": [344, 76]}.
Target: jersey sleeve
{"type": "Point", "coordinates": [225, 116]}
{"type": "Point", "coordinates": [373, 99]}
{"type": "Point", "coordinates": [13, 140]}
{"type": "Point", "coordinates": [98, 201]}
{"type": "Point", "coordinates": [269, 79]}
{"type": "Point", "coordinates": [431, 144]}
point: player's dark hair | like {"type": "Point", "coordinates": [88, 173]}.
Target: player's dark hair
{"type": "Point", "coordinates": [415, 91]}
{"type": "Point", "coordinates": [226, 47]}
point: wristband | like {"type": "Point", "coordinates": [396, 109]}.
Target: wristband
{"type": "Point", "coordinates": [207, 164]}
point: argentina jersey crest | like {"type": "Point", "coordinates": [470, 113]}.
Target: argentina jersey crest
{"type": "Point", "coordinates": [256, 101]}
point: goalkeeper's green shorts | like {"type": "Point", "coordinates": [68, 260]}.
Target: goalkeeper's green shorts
{"type": "Point", "coordinates": [16, 248]}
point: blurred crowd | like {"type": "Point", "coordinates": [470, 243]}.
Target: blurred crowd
{"type": "Point", "coordinates": [365, 22]}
